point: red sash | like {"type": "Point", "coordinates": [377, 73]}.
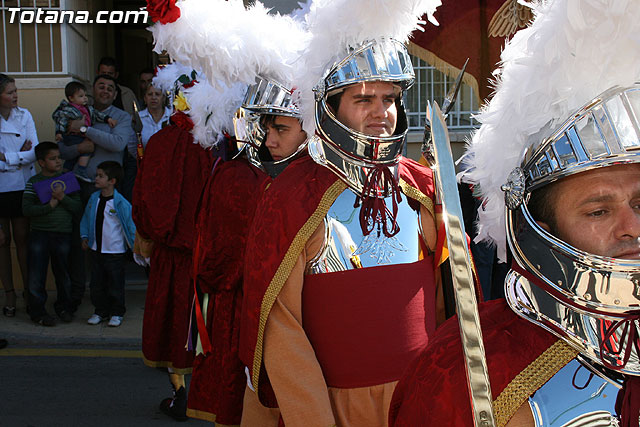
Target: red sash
{"type": "Point", "coordinates": [366, 325]}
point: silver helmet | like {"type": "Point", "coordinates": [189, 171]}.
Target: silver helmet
{"type": "Point", "coordinates": [589, 300]}
{"type": "Point", "coordinates": [264, 97]}
{"type": "Point", "coordinates": [349, 153]}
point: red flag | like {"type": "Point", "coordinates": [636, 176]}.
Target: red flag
{"type": "Point", "coordinates": [474, 29]}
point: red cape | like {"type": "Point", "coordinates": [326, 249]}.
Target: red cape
{"type": "Point", "coordinates": [293, 207]}
{"type": "Point", "coordinates": [166, 193]}
{"type": "Point", "coordinates": [168, 185]}
{"type": "Point", "coordinates": [227, 207]}
{"type": "Point", "coordinates": [433, 389]}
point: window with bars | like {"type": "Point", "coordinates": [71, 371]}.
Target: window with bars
{"type": "Point", "coordinates": [31, 48]}
{"type": "Point", "coordinates": [432, 84]}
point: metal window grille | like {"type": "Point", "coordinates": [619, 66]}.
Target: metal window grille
{"type": "Point", "coordinates": [31, 48]}
{"type": "Point", "coordinates": [432, 84]}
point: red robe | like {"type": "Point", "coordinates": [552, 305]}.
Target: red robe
{"type": "Point", "coordinates": [300, 196]}
{"type": "Point", "coordinates": [433, 389]}
{"type": "Point", "coordinates": [227, 208]}
{"type": "Point", "coordinates": [168, 185]}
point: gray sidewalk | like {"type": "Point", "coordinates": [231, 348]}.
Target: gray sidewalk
{"type": "Point", "coordinates": [20, 330]}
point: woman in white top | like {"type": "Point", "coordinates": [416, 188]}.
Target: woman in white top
{"type": "Point", "coordinates": [153, 117]}
{"type": "Point", "coordinates": [17, 157]}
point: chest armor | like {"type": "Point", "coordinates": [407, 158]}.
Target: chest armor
{"type": "Point", "coordinates": [346, 248]}
{"type": "Point", "coordinates": [577, 395]}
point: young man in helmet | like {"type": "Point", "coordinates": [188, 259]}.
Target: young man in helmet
{"type": "Point", "coordinates": [222, 227]}
{"type": "Point", "coordinates": [563, 349]}
{"type": "Point", "coordinates": [345, 291]}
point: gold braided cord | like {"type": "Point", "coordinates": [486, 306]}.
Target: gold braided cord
{"type": "Point", "coordinates": [418, 196]}
{"type": "Point", "coordinates": [531, 379]}
{"type": "Point", "coordinates": [287, 264]}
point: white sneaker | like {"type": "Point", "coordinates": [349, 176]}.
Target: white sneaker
{"type": "Point", "coordinates": [95, 319]}
{"type": "Point", "coordinates": [115, 321]}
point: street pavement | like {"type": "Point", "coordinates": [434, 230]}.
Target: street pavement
{"type": "Point", "coordinates": [75, 374]}
{"type": "Point", "coordinates": [20, 330]}
{"type": "Point", "coordinates": [45, 387]}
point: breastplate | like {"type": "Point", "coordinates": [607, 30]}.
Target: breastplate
{"type": "Point", "coordinates": [577, 395]}
{"type": "Point", "coordinates": [345, 247]}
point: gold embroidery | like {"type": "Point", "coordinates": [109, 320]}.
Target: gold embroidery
{"type": "Point", "coordinates": [166, 364]}
{"type": "Point", "coordinates": [289, 260]}
{"type": "Point", "coordinates": [418, 196]}
{"type": "Point", "coordinates": [531, 379]}
{"type": "Point", "coordinates": [201, 415]}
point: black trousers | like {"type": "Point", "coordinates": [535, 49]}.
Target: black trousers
{"type": "Point", "coordinates": [77, 257]}
{"type": "Point", "coordinates": [107, 284]}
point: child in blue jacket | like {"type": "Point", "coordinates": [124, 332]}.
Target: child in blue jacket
{"type": "Point", "coordinates": [107, 230]}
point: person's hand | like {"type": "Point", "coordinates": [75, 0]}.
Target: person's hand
{"type": "Point", "coordinates": [57, 193]}
{"type": "Point", "coordinates": [75, 125]}
{"type": "Point", "coordinates": [112, 122]}
{"type": "Point", "coordinates": [58, 137]}
{"type": "Point", "coordinates": [53, 202]}
{"type": "Point", "coordinates": [85, 244]}
{"type": "Point", "coordinates": [140, 260]}
{"type": "Point", "coordinates": [86, 147]}
{"type": "Point", "coordinates": [26, 146]}
{"type": "Point", "coordinates": [2, 157]}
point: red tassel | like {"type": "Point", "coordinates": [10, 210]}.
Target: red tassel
{"type": "Point", "coordinates": [629, 340]}
{"type": "Point", "coordinates": [628, 402]}
{"type": "Point", "coordinates": [202, 329]}
{"type": "Point", "coordinates": [374, 211]}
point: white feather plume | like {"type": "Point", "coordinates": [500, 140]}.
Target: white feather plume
{"type": "Point", "coordinates": [212, 108]}
{"type": "Point", "coordinates": [573, 50]}
{"type": "Point", "coordinates": [337, 24]}
{"type": "Point", "coordinates": [166, 76]}
{"type": "Point", "coordinates": [230, 43]}
{"type": "Point", "coordinates": [300, 13]}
